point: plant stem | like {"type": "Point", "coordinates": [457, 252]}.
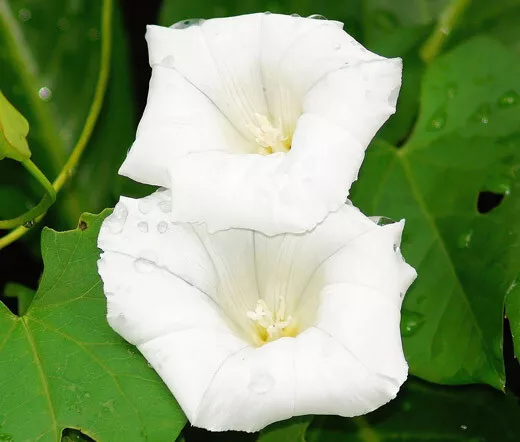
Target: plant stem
{"type": "Point", "coordinates": [68, 169]}
{"type": "Point", "coordinates": [47, 200]}
{"type": "Point", "coordinates": [447, 21]}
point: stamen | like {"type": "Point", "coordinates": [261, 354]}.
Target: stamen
{"type": "Point", "coordinates": [269, 325]}
{"type": "Point", "coordinates": [270, 138]}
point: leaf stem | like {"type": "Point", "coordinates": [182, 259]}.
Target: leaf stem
{"type": "Point", "coordinates": [447, 21]}
{"type": "Point", "coordinates": [69, 167]}
{"type": "Point", "coordinates": [47, 200]}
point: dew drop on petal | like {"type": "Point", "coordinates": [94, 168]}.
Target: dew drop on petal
{"type": "Point", "coordinates": [162, 227]}
{"type": "Point", "coordinates": [510, 98]}
{"type": "Point", "coordinates": [116, 221]}
{"type": "Point", "coordinates": [260, 383]}
{"type": "Point", "coordinates": [143, 226]}
{"type": "Point", "coordinates": [165, 206]}
{"type": "Point", "coordinates": [295, 15]}
{"type": "Point", "coordinates": [168, 61]}
{"type": "Point", "coordinates": [317, 17]}
{"type": "Point", "coordinates": [337, 46]}
{"type": "Point", "coordinates": [187, 23]}
{"type": "Point", "coordinates": [45, 93]}
{"type": "Point", "coordinates": [144, 206]}
{"type": "Point", "coordinates": [143, 265]}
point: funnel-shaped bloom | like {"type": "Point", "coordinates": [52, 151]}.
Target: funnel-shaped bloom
{"type": "Point", "coordinates": [259, 121]}
{"type": "Point", "coordinates": [247, 329]}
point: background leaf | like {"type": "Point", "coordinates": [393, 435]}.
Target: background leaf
{"type": "Point", "coordinates": [13, 132]}
{"type": "Point", "coordinates": [465, 141]}
{"type": "Point", "coordinates": [423, 412]}
{"type": "Point", "coordinates": [62, 365]}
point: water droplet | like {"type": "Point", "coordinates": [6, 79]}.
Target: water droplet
{"type": "Point", "coordinates": [116, 221]}
{"type": "Point", "coordinates": [260, 383]}
{"type": "Point", "coordinates": [295, 15]}
{"type": "Point", "coordinates": [63, 24]}
{"type": "Point", "coordinates": [267, 13]}
{"type": "Point", "coordinates": [381, 220]}
{"type": "Point", "coordinates": [24, 14]}
{"type": "Point", "coordinates": [451, 91]}
{"type": "Point", "coordinates": [168, 61]}
{"type": "Point", "coordinates": [465, 239]}
{"type": "Point", "coordinates": [143, 226]}
{"type": "Point", "coordinates": [510, 98]}
{"type": "Point", "coordinates": [317, 17]}
{"type": "Point", "coordinates": [165, 206]}
{"type": "Point", "coordinates": [144, 206]}
{"type": "Point", "coordinates": [93, 34]}
{"type": "Point", "coordinates": [411, 322]}
{"type": "Point", "coordinates": [162, 227]}
{"type": "Point", "coordinates": [337, 46]}
{"type": "Point", "coordinates": [45, 93]}
{"type": "Point", "coordinates": [482, 114]}
{"type": "Point", "coordinates": [29, 224]}
{"type": "Point", "coordinates": [121, 318]}
{"type": "Point", "coordinates": [438, 121]}
{"type": "Point", "coordinates": [385, 20]}
{"type": "Point", "coordinates": [188, 23]}
{"type": "Point", "coordinates": [463, 427]}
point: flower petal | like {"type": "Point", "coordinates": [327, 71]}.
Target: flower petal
{"type": "Point", "coordinates": [213, 85]}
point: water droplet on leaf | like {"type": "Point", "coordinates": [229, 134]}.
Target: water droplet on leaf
{"type": "Point", "coordinates": [451, 91]}
{"type": "Point", "coordinates": [29, 224]}
{"type": "Point", "coordinates": [438, 121]}
{"type": "Point", "coordinates": [188, 23]}
{"type": "Point", "coordinates": [482, 114]}
{"type": "Point", "coordinates": [411, 322]}
{"type": "Point", "coordinates": [465, 239]}
{"type": "Point", "coordinates": [24, 14]}
{"type": "Point", "coordinates": [45, 93]}
{"type": "Point", "coordinates": [510, 98]}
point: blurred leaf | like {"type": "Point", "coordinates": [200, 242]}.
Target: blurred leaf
{"type": "Point", "coordinates": [425, 412]}
{"type": "Point", "coordinates": [466, 140]}
{"type": "Point", "coordinates": [23, 294]}
{"type": "Point", "coordinates": [13, 132]}
{"type": "Point", "coordinates": [292, 430]}
{"type": "Point", "coordinates": [348, 12]}
{"type": "Point", "coordinates": [62, 365]}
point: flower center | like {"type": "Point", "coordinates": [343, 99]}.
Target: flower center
{"type": "Point", "coordinates": [270, 138]}
{"type": "Point", "coordinates": [269, 325]}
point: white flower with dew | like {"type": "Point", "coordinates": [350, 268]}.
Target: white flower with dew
{"type": "Point", "coordinates": [259, 121]}
{"type": "Point", "coordinates": [247, 329]}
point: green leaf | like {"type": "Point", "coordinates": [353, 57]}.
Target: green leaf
{"type": "Point", "coordinates": [466, 140]}
{"type": "Point", "coordinates": [13, 132]}
{"type": "Point", "coordinates": [292, 430]}
{"type": "Point", "coordinates": [24, 295]}
{"type": "Point", "coordinates": [62, 365]}
{"type": "Point", "coordinates": [424, 412]}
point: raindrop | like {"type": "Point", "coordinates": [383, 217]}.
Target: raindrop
{"type": "Point", "coordinates": [162, 227]}
{"type": "Point", "coordinates": [438, 121]}
{"type": "Point", "coordinates": [93, 34]}
{"type": "Point", "coordinates": [317, 17]}
{"type": "Point", "coordinates": [411, 322]}
{"type": "Point", "coordinates": [295, 15]}
{"type": "Point", "coordinates": [121, 318]}
{"type": "Point", "coordinates": [510, 98]}
{"type": "Point", "coordinates": [143, 265]}
{"type": "Point", "coordinates": [63, 24]}
{"type": "Point", "coordinates": [482, 114]}
{"type": "Point", "coordinates": [29, 224]}
{"type": "Point", "coordinates": [165, 206]}
{"type": "Point", "coordinates": [144, 206]}
{"type": "Point", "coordinates": [45, 93]}
{"type": "Point", "coordinates": [451, 91]}
{"type": "Point", "coordinates": [168, 61]}
{"type": "Point", "coordinates": [188, 23]}
{"type": "Point", "coordinates": [382, 220]}
{"type": "Point", "coordinates": [463, 427]}
{"type": "Point", "coordinates": [260, 383]}
{"type": "Point", "coordinates": [143, 226]}
{"type": "Point", "coordinates": [24, 14]}
{"type": "Point", "coordinates": [337, 46]}
{"type": "Point", "coordinates": [117, 220]}
{"type": "Point", "coordinates": [465, 239]}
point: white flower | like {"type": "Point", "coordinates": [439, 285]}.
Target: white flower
{"type": "Point", "coordinates": [247, 329]}
{"type": "Point", "coordinates": [259, 121]}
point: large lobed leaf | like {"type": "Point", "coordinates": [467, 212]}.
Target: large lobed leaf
{"type": "Point", "coordinates": [62, 366]}
{"type": "Point", "coordinates": [466, 140]}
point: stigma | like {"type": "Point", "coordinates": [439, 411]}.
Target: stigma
{"type": "Point", "coordinates": [269, 138]}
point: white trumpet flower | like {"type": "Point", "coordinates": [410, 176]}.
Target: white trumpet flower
{"type": "Point", "coordinates": [247, 329]}
{"type": "Point", "coordinates": [259, 121]}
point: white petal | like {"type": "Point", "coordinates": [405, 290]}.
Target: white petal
{"type": "Point", "coordinates": [213, 85]}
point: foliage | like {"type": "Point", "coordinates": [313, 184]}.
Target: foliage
{"type": "Point", "coordinates": [447, 162]}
